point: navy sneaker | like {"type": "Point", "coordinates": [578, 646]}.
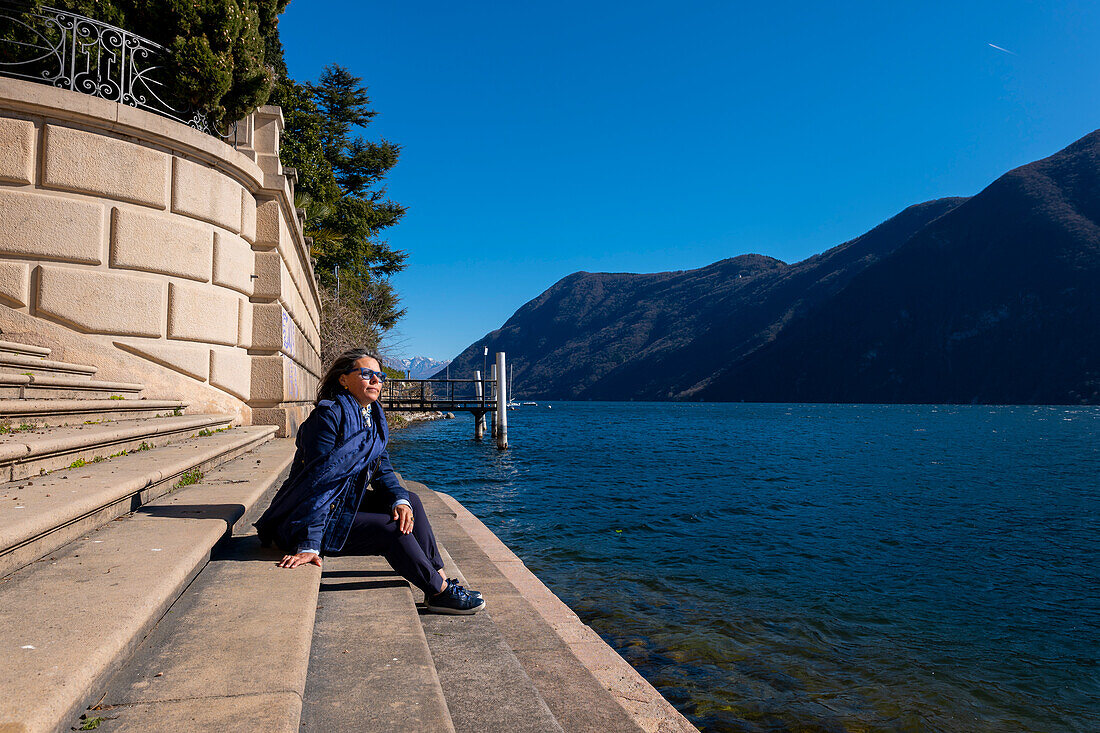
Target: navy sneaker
{"type": "Point", "coordinates": [455, 600]}
{"type": "Point", "coordinates": [454, 582]}
{"type": "Point", "coordinates": [473, 593]}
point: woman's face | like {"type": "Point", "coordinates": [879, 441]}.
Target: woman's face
{"type": "Point", "coordinates": [362, 390]}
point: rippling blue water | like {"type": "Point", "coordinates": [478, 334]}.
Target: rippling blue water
{"type": "Point", "coordinates": [811, 567]}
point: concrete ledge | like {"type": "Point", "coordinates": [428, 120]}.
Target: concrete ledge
{"type": "Point", "coordinates": [17, 362]}
{"type": "Point", "coordinates": [71, 619]}
{"type": "Point", "coordinates": [276, 713]}
{"type": "Point", "coordinates": [10, 347]}
{"type": "Point", "coordinates": [649, 710]}
{"type": "Point", "coordinates": [62, 381]}
{"type": "Point", "coordinates": [43, 514]}
{"type": "Point", "coordinates": [260, 650]}
{"type": "Point", "coordinates": [60, 440]}
{"type": "Point", "coordinates": [486, 685]}
{"type": "Point", "coordinates": [69, 412]}
{"type": "Point", "coordinates": [61, 104]}
{"type": "Point", "coordinates": [61, 392]}
{"type": "Point", "coordinates": [28, 454]}
{"type": "Point", "coordinates": [370, 667]}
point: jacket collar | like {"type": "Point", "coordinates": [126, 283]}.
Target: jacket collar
{"type": "Point", "coordinates": [350, 416]}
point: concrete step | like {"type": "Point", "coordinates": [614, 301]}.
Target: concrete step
{"type": "Point", "coordinates": [79, 412]}
{"type": "Point", "coordinates": [10, 347]}
{"type": "Point", "coordinates": [21, 363]}
{"type": "Point", "coordinates": [370, 668]}
{"type": "Point", "coordinates": [62, 386]}
{"type": "Point", "coordinates": [485, 684]}
{"type": "Point", "coordinates": [72, 619]}
{"type": "Point", "coordinates": [229, 655]}
{"type": "Point", "coordinates": [584, 682]}
{"type": "Point", "coordinates": [29, 453]}
{"type": "Point", "coordinates": [39, 515]}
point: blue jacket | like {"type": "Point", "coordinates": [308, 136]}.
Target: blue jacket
{"type": "Point", "coordinates": [338, 455]}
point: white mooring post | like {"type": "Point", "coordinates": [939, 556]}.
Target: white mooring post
{"type": "Point", "coordinates": [479, 417]}
{"type": "Point", "coordinates": [502, 404]}
{"type": "Point", "coordinates": [494, 394]}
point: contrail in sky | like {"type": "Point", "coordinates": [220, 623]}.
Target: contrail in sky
{"type": "Point", "coordinates": [994, 45]}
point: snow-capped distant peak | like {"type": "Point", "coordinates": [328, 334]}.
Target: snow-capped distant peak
{"type": "Point", "coordinates": [417, 367]}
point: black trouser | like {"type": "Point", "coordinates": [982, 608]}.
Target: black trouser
{"type": "Point", "coordinates": [414, 556]}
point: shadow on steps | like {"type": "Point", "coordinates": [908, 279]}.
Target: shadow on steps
{"type": "Point", "coordinates": [363, 585]}
{"type": "Point", "coordinates": [385, 579]}
{"type": "Point", "coordinates": [387, 573]}
{"type": "Point", "coordinates": [230, 512]}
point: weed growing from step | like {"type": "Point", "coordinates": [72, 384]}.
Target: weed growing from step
{"type": "Point", "coordinates": [189, 477]}
{"type": "Point", "coordinates": [116, 397]}
{"type": "Point", "coordinates": [177, 412]}
{"type": "Point", "coordinates": [87, 723]}
{"type": "Point", "coordinates": [208, 432]}
{"type": "Point", "coordinates": [99, 459]}
{"type": "Point", "coordinates": [23, 427]}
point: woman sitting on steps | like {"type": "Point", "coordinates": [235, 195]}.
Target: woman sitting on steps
{"type": "Point", "coordinates": [343, 498]}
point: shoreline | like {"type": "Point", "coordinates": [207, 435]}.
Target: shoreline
{"type": "Point", "coordinates": [402, 420]}
{"type": "Point", "coordinates": [633, 693]}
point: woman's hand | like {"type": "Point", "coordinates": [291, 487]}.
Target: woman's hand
{"type": "Point", "coordinates": [403, 515]}
{"type": "Point", "coordinates": [302, 558]}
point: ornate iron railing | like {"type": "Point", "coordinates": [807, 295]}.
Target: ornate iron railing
{"type": "Point", "coordinates": [74, 52]}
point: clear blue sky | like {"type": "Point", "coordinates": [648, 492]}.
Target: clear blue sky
{"type": "Point", "coordinates": [544, 138]}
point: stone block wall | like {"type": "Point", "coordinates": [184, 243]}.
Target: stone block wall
{"type": "Point", "coordinates": [158, 253]}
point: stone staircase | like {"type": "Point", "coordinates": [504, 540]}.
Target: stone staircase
{"type": "Point", "coordinates": [78, 589]}
{"type": "Point", "coordinates": [134, 595]}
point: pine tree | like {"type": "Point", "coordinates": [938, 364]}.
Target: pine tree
{"type": "Point", "coordinates": [341, 178]}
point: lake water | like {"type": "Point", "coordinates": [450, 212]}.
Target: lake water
{"type": "Point", "coordinates": [810, 567]}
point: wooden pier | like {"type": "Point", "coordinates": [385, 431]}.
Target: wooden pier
{"type": "Point", "coordinates": [443, 395]}
{"type": "Point", "coordinates": [478, 396]}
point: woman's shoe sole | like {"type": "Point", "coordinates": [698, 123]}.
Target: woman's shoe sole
{"type": "Point", "coordinates": [456, 611]}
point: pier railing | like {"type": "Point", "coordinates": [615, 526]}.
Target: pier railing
{"type": "Point", "coordinates": [479, 396]}
{"type": "Point", "coordinates": [445, 395]}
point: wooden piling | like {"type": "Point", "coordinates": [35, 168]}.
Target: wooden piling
{"type": "Point", "coordinates": [479, 416]}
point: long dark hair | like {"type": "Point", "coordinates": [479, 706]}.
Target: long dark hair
{"type": "Point", "coordinates": [343, 364]}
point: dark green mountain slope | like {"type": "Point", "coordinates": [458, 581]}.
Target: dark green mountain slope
{"type": "Point", "coordinates": [664, 335]}
{"type": "Point", "coordinates": [998, 301]}
{"type": "Point", "coordinates": [992, 299]}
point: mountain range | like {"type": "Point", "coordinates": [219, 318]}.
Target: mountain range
{"type": "Point", "coordinates": [417, 367]}
{"type": "Point", "coordinates": [987, 299]}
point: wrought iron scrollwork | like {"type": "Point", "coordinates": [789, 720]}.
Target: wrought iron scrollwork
{"type": "Point", "coordinates": [85, 55]}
